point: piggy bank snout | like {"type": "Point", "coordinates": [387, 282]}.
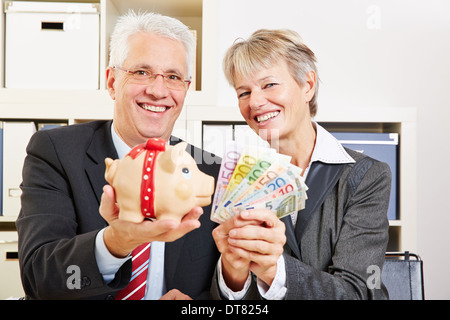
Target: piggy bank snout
{"type": "Point", "coordinates": [205, 191]}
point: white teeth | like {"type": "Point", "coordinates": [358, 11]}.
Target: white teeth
{"type": "Point", "coordinates": [153, 108]}
{"type": "Point", "coordinates": [267, 116]}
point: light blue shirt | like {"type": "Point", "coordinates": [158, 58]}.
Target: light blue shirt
{"type": "Point", "coordinates": [109, 265]}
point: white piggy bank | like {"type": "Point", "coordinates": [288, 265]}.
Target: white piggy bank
{"type": "Point", "coordinates": [158, 181]}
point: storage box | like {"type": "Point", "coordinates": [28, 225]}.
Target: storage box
{"type": "Point", "coordinates": [11, 284]}
{"type": "Point", "coordinates": [380, 146]}
{"type": "Point", "coordinates": [52, 45]}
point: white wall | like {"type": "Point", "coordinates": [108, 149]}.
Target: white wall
{"type": "Point", "coordinates": [388, 53]}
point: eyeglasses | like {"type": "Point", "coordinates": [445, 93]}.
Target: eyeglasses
{"type": "Point", "coordinates": [172, 80]}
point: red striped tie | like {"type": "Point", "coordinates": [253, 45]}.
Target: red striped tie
{"type": "Point", "coordinates": [136, 287]}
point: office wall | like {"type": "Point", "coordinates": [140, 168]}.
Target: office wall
{"type": "Point", "coordinates": [375, 54]}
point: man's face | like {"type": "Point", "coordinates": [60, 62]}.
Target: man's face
{"type": "Point", "coordinates": [147, 110]}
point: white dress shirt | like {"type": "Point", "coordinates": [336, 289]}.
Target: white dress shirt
{"type": "Point", "coordinates": [109, 265]}
{"type": "Point", "coordinates": [327, 149]}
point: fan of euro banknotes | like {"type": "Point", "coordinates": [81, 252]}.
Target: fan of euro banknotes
{"type": "Point", "coordinates": [257, 177]}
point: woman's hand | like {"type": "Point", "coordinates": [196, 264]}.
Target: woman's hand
{"type": "Point", "coordinates": [261, 242]}
{"type": "Point", "coordinates": [254, 241]}
{"type": "Point", "coordinates": [235, 270]}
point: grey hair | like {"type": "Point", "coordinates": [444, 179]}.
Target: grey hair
{"type": "Point", "coordinates": [132, 23]}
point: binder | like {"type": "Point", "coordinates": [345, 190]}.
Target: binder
{"type": "Point", "coordinates": [380, 146]}
{"type": "Point", "coordinates": [16, 136]}
{"type": "Point", "coordinates": [50, 125]}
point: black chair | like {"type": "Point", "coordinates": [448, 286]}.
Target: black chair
{"type": "Point", "coordinates": [403, 276]}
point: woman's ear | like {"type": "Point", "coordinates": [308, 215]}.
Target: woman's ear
{"type": "Point", "coordinates": [110, 80]}
{"type": "Point", "coordinates": [310, 85]}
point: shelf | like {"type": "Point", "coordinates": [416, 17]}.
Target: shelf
{"type": "Point", "coordinates": [7, 223]}
{"type": "Point", "coordinates": [8, 219]}
{"type": "Point", "coordinates": [55, 104]}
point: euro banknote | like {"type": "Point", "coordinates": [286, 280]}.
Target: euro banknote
{"type": "Point", "coordinates": [253, 178]}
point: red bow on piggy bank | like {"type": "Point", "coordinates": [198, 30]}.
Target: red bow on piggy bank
{"type": "Point", "coordinates": [158, 181]}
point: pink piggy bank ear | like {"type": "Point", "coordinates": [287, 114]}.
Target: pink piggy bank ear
{"type": "Point", "coordinates": [169, 159]}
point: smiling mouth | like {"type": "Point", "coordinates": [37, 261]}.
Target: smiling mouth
{"type": "Point", "coordinates": [266, 116]}
{"type": "Point", "coordinates": [152, 108]}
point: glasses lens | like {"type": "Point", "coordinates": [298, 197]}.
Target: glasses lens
{"type": "Point", "coordinates": [171, 81]}
{"type": "Point", "coordinates": [174, 82]}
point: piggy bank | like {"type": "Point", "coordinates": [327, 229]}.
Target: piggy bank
{"type": "Point", "coordinates": [158, 181]}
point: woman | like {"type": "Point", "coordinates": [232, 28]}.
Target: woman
{"type": "Point", "coordinates": [334, 248]}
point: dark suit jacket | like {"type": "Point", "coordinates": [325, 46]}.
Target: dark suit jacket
{"type": "Point", "coordinates": [63, 177]}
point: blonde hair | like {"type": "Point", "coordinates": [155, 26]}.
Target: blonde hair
{"type": "Point", "coordinates": [265, 48]}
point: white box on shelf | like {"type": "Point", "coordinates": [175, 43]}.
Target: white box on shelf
{"type": "Point", "coordinates": [52, 45]}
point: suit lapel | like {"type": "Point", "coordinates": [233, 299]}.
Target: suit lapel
{"type": "Point", "coordinates": [321, 179]}
{"type": "Point", "coordinates": [291, 240]}
{"type": "Point", "coordinates": [100, 148]}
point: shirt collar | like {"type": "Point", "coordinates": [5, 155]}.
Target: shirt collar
{"type": "Point", "coordinates": [327, 149]}
{"type": "Point", "coordinates": [121, 147]}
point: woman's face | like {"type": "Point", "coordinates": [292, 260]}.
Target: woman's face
{"type": "Point", "coordinates": [272, 103]}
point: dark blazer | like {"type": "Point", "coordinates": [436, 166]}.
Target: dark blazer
{"type": "Point", "coordinates": [63, 177]}
{"type": "Point", "coordinates": [331, 254]}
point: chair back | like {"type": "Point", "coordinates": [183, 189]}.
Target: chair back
{"type": "Point", "coordinates": [403, 276]}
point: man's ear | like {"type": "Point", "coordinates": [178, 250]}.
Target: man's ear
{"type": "Point", "coordinates": [110, 80]}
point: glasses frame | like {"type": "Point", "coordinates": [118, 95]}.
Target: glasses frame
{"type": "Point", "coordinates": [154, 75]}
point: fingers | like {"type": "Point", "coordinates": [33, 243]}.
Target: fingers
{"type": "Point", "coordinates": [221, 233]}
{"type": "Point", "coordinates": [190, 220]}
{"type": "Point", "coordinates": [167, 230]}
{"type": "Point", "coordinates": [256, 239]}
{"type": "Point", "coordinates": [261, 242]}
{"type": "Point", "coordinates": [235, 269]}
{"type": "Point", "coordinates": [108, 206]}
{"type": "Point", "coordinates": [264, 216]}
{"type": "Point", "coordinates": [177, 230]}
{"type": "Point", "coordinates": [265, 226]}
{"type": "Point", "coordinates": [175, 294]}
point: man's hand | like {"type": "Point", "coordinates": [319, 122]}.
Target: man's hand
{"type": "Point", "coordinates": [175, 294]}
{"type": "Point", "coordinates": [121, 237]}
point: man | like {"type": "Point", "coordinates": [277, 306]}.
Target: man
{"type": "Point", "coordinates": [62, 237]}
